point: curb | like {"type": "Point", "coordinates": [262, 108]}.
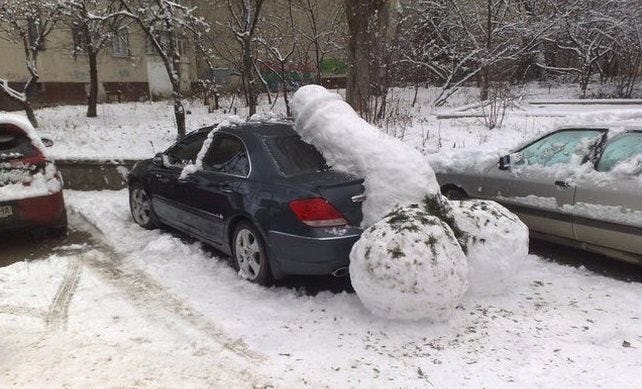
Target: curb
{"type": "Point", "coordinates": [91, 174]}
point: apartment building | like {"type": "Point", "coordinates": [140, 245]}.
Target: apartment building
{"type": "Point", "coordinates": [128, 69]}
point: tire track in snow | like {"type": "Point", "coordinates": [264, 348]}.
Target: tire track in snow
{"type": "Point", "coordinates": [23, 311]}
{"type": "Point", "coordinates": [58, 312]}
{"type": "Point", "coordinates": [158, 304]}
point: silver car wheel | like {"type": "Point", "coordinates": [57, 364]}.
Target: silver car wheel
{"type": "Point", "coordinates": [141, 206]}
{"type": "Point", "coordinates": [248, 254]}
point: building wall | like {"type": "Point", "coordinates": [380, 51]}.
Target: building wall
{"type": "Point", "coordinates": [64, 76]}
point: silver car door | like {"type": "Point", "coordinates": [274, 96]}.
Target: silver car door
{"type": "Point", "coordinates": [608, 205]}
{"type": "Point", "coordinates": [538, 185]}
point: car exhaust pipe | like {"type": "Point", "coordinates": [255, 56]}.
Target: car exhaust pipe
{"type": "Point", "coordinates": [341, 272]}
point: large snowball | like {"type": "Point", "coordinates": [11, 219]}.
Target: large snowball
{"type": "Point", "coordinates": [395, 173]}
{"type": "Point", "coordinates": [409, 266]}
{"type": "Point", "coordinates": [496, 242]}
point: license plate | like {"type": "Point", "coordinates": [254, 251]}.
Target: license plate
{"type": "Point", "coordinates": [5, 211]}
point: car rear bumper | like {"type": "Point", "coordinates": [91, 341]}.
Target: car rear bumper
{"type": "Point", "coordinates": [311, 255]}
{"type": "Point", "coordinates": [24, 214]}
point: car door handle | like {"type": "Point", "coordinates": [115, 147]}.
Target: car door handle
{"type": "Point", "coordinates": [562, 184]}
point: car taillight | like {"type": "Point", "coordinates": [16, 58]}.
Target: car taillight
{"type": "Point", "coordinates": [317, 212]}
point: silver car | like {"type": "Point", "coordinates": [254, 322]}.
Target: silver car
{"type": "Point", "coordinates": [575, 186]}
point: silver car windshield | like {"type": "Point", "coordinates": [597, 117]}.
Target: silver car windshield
{"type": "Point", "coordinates": [559, 147]}
{"type": "Point", "coordinates": [621, 149]}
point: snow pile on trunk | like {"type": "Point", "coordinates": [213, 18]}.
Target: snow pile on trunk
{"type": "Point", "coordinates": [496, 242]}
{"type": "Point", "coordinates": [409, 266]}
{"type": "Point", "coordinates": [396, 174]}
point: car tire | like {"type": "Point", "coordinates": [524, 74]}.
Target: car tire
{"type": "Point", "coordinates": [250, 254]}
{"type": "Point", "coordinates": [140, 205]}
{"type": "Point", "coordinates": [455, 194]}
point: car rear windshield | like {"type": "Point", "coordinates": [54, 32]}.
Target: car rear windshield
{"type": "Point", "coordinates": [14, 143]}
{"type": "Point", "coordinates": [293, 156]}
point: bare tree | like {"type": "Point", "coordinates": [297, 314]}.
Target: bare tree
{"type": "Point", "coordinates": [243, 17]}
{"type": "Point", "coordinates": [93, 24]}
{"type": "Point", "coordinates": [588, 34]}
{"type": "Point", "coordinates": [458, 41]}
{"type": "Point", "coordinates": [165, 23]}
{"type": "Point", "coordinates": [27, 22]}
{"type": "Point", "coordinates": [319, 29]}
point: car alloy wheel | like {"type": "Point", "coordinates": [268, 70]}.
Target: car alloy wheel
{"type": "Point", "coordinates": [141, 207]}
{"type": "Point", "coordinates": [249, 253]}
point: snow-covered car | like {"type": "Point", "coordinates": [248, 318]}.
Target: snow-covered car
{"type": "Point", "coordinates": [30, 185]}
{"type": "Point", "coordinates": [262, 195]}
{"type": "Point", "coordinates": [575, 186]}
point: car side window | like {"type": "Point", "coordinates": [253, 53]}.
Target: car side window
{"type": "Point", "coordinates": [559, 147]}
{"type": "Point", "coordinates": [227, 155]}
{"type": "Point", "coordinates": [185, 151]}
{"type": "Point", "coordinates": [621, 149]}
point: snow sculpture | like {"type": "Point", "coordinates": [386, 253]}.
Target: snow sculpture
{"type": "Point", "coordinates": [409, 266]}
{"type": "Point", "coordinates": [495, 241]}
{"type": "Point", "coordinates": [396, 174]}
{"type": "Point", "coordinates": [410, 263]}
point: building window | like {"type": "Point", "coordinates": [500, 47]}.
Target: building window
{"type": "Point", "coordinates": [183, 46]}
{"type": "Point", "coordinates": [120, 42]}
{"type": "Point", "coordinates": [163, 37]}
{"type": "Point", "coordinates": [80, 40]}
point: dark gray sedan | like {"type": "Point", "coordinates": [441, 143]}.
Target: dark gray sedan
{"type": "Point", "coordinates": [263, 195]}
{"type": "Point", "coordinates": [575, 186]}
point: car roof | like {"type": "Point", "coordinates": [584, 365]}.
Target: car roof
{"type": "Point", "coordinates": [265, 129]}
{"type": "Point", "coordinates": [602, 126]}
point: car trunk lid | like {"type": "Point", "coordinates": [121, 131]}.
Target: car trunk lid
{"type": "Point", "coordinates": [344, 191]}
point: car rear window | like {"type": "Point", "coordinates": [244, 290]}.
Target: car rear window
{"type": "Point", "coordinates": [293, 156]}
{"type": "Point", "coordinates": [14, 143]}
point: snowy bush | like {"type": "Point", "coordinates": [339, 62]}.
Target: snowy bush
{"type": "Point", "coordinates": [409, 266]}
{"type": "Point", "coordinates": [495, 241]}
{"type": "Point", "coordinates": [396, 174]}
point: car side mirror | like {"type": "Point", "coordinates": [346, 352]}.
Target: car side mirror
{"type": "Point", "coordinates": [504, 162]}
{"type": "Point", "coordinates": [159, 160]}
{"type": "Point", "coordinates": [47, 142]}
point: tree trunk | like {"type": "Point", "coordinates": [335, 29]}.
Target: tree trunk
{"type": "Point", "coordinates": [93, 84]}
{"type": "Point", "coordinates": [179, 114]}
{"type": "Point", "coordinates": [484, 84]}
{"type": "Point", "coordinates": [368, 22]}
{"type": "Point", "coordinates": [250, 81]}
{"type": "Point", "coordinates": [30, 114]}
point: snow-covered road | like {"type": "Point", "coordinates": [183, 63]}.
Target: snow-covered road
{"type": "Point", "coordinates": [146, 308]}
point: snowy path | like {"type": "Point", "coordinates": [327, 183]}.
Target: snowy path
{"type": "Point", "coordinates": [150, 309]}
{"type": "Point", "coordinates": [123, 328]}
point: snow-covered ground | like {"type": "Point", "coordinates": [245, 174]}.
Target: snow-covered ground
{"type": "Point", "coordinates": [146, 308]}
{"type": "Point", "coordinates": [138, 308]}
